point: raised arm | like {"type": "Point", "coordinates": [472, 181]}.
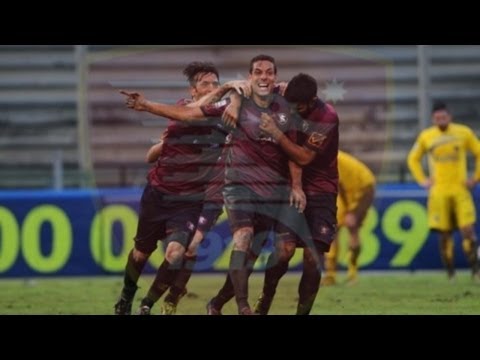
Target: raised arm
{"type": "Point", "coordinates": [240, 87]}
{"type": "Point", "coordinates": [138, 102]}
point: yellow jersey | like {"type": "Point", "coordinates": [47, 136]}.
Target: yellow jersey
{"type": "Point", "coordinates": [353, 174]}
{"type": "Point", "coordinates": [447, 155]}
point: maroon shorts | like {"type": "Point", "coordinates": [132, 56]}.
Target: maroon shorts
{"type": "Point", "coordinates": [166, 217]}
{"type": "Point", "coordinates": [321, 216]}
{"type": "Point", "coordinates": [245, 208]}
{"type": "Point", "coordinates": [315, 228]}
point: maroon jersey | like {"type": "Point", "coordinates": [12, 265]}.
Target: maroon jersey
{"type": "Point", "coordinates": [213, 201]}
{"type": "Point", "coordinates": [189, 154]}
{"type": "Point", "coordinates": [319, 132]}
{"type": "Point", "coordinates": [255, 159]}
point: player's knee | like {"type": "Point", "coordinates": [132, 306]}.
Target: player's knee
{"type": "Point", "coordinates": [468, 232]}
{"type": "Point", "coordinates": [285, 252]}
{"type": "Point", "coordinates": [242, 239]}
{"type": "Point", "coordinates": [174, 252]}
{"type": "Point", "coordinates": [312, 261]}
{"type": "Point", "coordinates": [445, 236]}
{"type": "Point", "coordinates": [312, 270]}
{"type": "Point", "coordinates": [140, 255]}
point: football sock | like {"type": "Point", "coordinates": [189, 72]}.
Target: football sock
{"type": "Point", "coordinates": [308, 288]}
{"type": "Point", "coordinates": [226, 293]}
{"type": "Point", "coordinates": [331, 261]}
{"type": "Point", "coordinates": [274, 272]}
{"type": "Point", "coordinates": [239, 275]}
{"type": "Point", "coordinates": [181, 280]}
{"type": "Point", "coordinates": [133, 270]}
{"type": "Point", "coordinates": [163, 280]}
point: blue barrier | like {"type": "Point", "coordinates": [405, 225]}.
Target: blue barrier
{"type": "Point", "coordinates": [90, 232]}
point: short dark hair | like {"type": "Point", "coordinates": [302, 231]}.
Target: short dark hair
{"type": "Point", "coordinates": [301, 89]}
{"type": "Point", "coordinates": [197, 67]}
{"type": "Point", "coordinates": [263, 58]}
{"type": "Point", "coordinates": [439, 106]}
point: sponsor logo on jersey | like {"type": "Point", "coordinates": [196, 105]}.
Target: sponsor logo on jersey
{"type": "Point", "coordinates": [316, 139]}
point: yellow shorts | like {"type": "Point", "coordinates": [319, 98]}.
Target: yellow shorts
{"type": "Point", "coordinates": [449, 209]}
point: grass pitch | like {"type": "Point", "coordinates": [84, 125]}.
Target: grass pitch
{"type": "Point", "coordinates": [376, 293]}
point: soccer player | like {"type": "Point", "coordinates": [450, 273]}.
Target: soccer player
{"type": "Point", "coordinates": [450, 202]}
{"type": "Point", "coordinates": [257, 170]}
{"type": "Point", "coordinates": [317, 154]}
{"type": "Point", "coordinates": [257, 177]}
{"type": "Point", "coordinates": [173, 198]}
{"type": "Point", "coordinates": [212, 209]}
{"type": "Point", "coordinates": [356, 192]}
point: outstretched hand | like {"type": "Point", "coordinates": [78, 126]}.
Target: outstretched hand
{"type": "Point", "coordinates": [242, 87]}
{"type": "Point", "coordinates": [134, 100]}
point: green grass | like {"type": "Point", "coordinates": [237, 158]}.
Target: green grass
{"type": "Point", "coordinates": [376, 293]}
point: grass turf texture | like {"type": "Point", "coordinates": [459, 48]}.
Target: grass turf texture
{"type": "Point", "coordinates": [376, 293]}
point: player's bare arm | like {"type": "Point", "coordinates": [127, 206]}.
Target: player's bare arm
{"type": "Point", "coordinates": [300, 154]}
{"type": "Point", "coordinates": [138, 102]}
{"type": "Point", "coordinates": [232, 111]}
{"type": "Point", "coordinates": [475, 150]}
{"type": "Point", "coordinates": [342, 194]}
{"type": "Point", "coordinates": [154, 152]}
{"type": "Point", "coordinates": [240, 87]}
{"type": "Point", "coordinates": [297, 195]}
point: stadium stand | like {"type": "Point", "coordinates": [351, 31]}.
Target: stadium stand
{"type": "Point", "coordinates": [378, 112]}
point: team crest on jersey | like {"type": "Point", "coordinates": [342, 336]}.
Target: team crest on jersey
{"type": "Point", "coordinates": [282, 119]}
{"type": "Point", "coordinates": [324, 230]}
{"type": "Point", "coordinates": [305, 126]}
{"type": "Point", "coordinates": [190, 226]}
{"type": "Point", "coordinates": [316, 139]}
